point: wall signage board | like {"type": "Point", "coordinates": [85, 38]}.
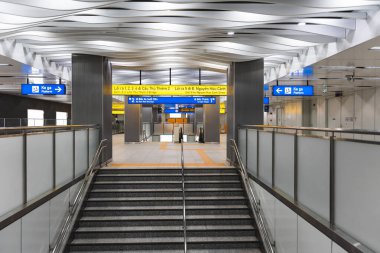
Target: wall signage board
{"type": "Point", "coordinates": [43, 89]}
{"type": "Point", "coordinates": [266, 100]}
{"type": "Point", "coordinates": [293, 90]}
{"type": "Point", "coordinates": [171, 100]}
{"type": "Point", "coordinates": [169, 90]}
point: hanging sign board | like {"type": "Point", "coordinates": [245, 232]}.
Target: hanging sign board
{"type": "Point", "coordinates": [43, 89]}
{"type": "Point", "coordinates": [171, 100]}
{"type": "Point", "coordinates": [169, 90]}
{"type": "Point", "coordinates": [293, 90]}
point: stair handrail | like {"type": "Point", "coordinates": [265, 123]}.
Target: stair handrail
{"type": "Point", "coordinates": [269, 247]}
{"type": "Point", "coordinates": [73, 210]}
{"type": "Point", "coordinates": [183, 192]}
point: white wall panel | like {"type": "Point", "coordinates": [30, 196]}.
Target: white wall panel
{"type": "Point", "coordinates": [39, 164]}
{"type": "Point", "coordinates": [74, 191]}
{"type": "Point", "coordinates": [265, 157]}
{"type": "Point", "coordinates": [252, 151]}
{"type": "Point", "coordinates": [310, 240]}
{"type": "Point", "coordinates": [285, 228]}
{"type": "Point", "coordinates": [357, 191]}
{"type": "Point", "coordinates": [337, 249]}
{"type": "Point", "coordinates": [94, 142]}
{"type": "Point", "coordinates": [64, 157]}
{"type": "Point", "coordinates": [59, 208]}
{"type": "Point", "coordinates": [267, 202]}
{"type": "Point", "coordinates": [35, 230]}
{"type": "Point", "coordinates": [314, 174]}
{"type": "Point", "coordinates": [242, 141]}
{"type": "Point", "coordinates": [10, 238]}
{"type": "Point", "coordinates": [334, 112]}
{"type": "Point", "coordinates": [284, 163]}
{"type": "Point", "coordinates": [80, 152]}
{"type": "Point", "coordinates": [11, 153]}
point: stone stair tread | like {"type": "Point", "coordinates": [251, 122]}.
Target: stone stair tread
{"type": "Point", "coordinates": [222, 251]}
{"type": "Point", "coordinates": [121, 218]}
{"type": "Point", "coordinates": [129, 229]}
{"type": "Point", "coordinates": [210, 181]}
{"type": "Point", "coordinates": [140, 175]}
{"type": "Point", "coordinates": [137, 182]}
{"type": "Point", "coordinates": [165, 228]}
{"type": "Point", "coordinates": [215, 197]}
{"type": "Point", "coordinates": [221, 239]}
{"type": "Point", "coordinates": [178, 207]}
{"type": "Point", "coordinates": [211, 174]}
{"type": "Point", "coordinates": [133, 198]}
{"type": "Point", "coordinates": [137, 190]}
{"type": "Point", "coordinates": [164, 217]}
{"type": "Point", "coordinates": [213, 189]}
{"type": "Point", "coordinates": [141, 251]}
{"type": "Point", "coordinates": [148, 240]}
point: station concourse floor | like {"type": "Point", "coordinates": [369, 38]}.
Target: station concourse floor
{"type": "Point", "coordinates": [164, 154]}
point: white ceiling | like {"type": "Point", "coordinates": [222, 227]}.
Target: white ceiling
{"type": "Point", "coordinates": [351, 70]}
{"type": "Point", "coordinates": [176, 33]}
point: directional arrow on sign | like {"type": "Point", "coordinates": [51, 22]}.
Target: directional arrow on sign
{"type": "Point", "coordinates": [278, 90]}
{"type": "Point", "coordinates": [58, 89]}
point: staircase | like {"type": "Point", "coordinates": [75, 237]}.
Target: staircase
{"type": "Point", "coordinates": [141, 210]}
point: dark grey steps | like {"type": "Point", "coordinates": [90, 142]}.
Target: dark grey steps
{"type": "Point", "coordinates": [226, 242]}
{"type": "Point", "coordinates": [141, 210]}
{"type": "Point", "coordinates": [139, 177]}
{"type": "Point", "coordinates": [136, 185]}
{"type": "Point", "coordinates": [128, 244]}
{"type": "Point", "coordinates": [99, 193]}
{"type": "Point", "coordinates": [164, 201]}
{"type": "Point", "coordinates": [212, 184]}
{"type": "Point", "coordinates": [139, 171]}
{"type": "Point", "coordinates": [163, 210]}
{"type": "Point", "coordinates": [162, 231]}
{"type": "Point", "coordinates": [124, 221]}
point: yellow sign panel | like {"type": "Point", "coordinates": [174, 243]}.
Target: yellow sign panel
{"type": "Point", "coordinates": [118, 112]}
{"type": "Point", "coordinates": [169, 90]}
{"type": "Point", "coordinates": [117, 106]}
{"type": "Point", "coordinates": [222, 110]}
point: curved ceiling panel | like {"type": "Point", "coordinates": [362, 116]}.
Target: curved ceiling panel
{"type": "Point", "coordinates": [177, 34]}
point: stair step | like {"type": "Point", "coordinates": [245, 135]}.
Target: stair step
{"type": "Point", "coordinates": [139, 177]}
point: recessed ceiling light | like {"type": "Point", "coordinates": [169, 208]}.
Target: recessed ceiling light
{"type": "Point", "coordinates": [231, 33]}
{"type": "Point", "coordinates": [374, 48]}
{"type": "Point", "coordinates": [5, 64]}
{"type": "Point", "coordinates": [301, 23]}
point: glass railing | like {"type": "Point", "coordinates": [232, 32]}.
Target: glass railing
{"type": "Point", "coordinates": [24, 122]}
{"type": "Point", "coordinates": [320, 179]}
{"type": "Point", "coordinates": [41, 171]}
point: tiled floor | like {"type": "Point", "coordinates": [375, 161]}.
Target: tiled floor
{"type": "Point", "coordinates": [156, 154]}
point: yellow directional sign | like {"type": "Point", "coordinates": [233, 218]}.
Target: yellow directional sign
{"type": "Point", "coordinates": [169, 90]}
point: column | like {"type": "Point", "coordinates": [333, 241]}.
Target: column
{"type": "Point", "coordinates": [132, 123]}
{"type": "Point", "coordinates": [211, 122]}
{"type": "Point", "coordinates": [92, 95]}
{"type": "Point", "coordinates": [245, 97]}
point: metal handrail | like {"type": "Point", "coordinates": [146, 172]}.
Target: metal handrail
{"type": "Point", "coordinates": [183, 195]}
{"type": "Point", "coordinates": [316, 129]}
{"type": "Point", "coordinates": [35, 128]}
{"type": "Point", "coordinates": [254, 203]}
{"type": "Point", "coordinates": [66, 229]}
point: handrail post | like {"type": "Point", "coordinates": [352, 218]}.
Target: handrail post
{"type": "Point", "coordinates": [183, 194]}
{"type": "Point", "coordinates": [296, 167]}
{"type": "Point", "coordinates": [332, 179]}
{"type": "Point", "coordinates": [25, 169]}
{"type": "Point", "coordinates": [54, 159]}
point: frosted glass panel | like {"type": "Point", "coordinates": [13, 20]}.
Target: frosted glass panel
{"type": "Point", "coordinates": [94, 142]}
{"type": "Point", "coordinates": [310, 240]}
{"type": "Point", "coordinates": [242, 145]}
{"type": "Point", "coordinates": [40, 164]}
{"type": "Point", "coordinates": [314, 174]}
{"type": "Point", "coordinates": [10, 238]}
{"type": "Point", "coordinates": [74, 191]}
{"type": "Point", "coordinates": [285, 229]}
{"type": "Point", "coordinates": [11, 152]}
{"type": "Point", "coordinates": [357, 172]}
{"type": "Point", "coordinates": [59, 208]}
{"type": "Point", "coordinates": [252, 151]}
{"type": "Point", "coordinates": [284, 163]}
{"type": "Point", "coordinates": [35, 230]}
{"type": "Point", "coordinates": [80, 152]}
{"type": "Point", "coordinates": [265, 157]}
{"type": "Point", "coordinates": [64, 157]}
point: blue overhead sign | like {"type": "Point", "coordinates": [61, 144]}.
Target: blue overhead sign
{"type": "Point", "coordinates": [292, 90]}
{"type": "Point", "coordinates": [43, 89]}
{"type": "Point", "coordinates": [171, 100]}
{"type": "Point", "coordinates": [266, 101]}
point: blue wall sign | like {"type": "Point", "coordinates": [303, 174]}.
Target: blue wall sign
{"type": "Point", "coordinates": [292, 90]}
{"type": "Point", "coordinates": [266, 101]}
{"type": "Point", "coordinates": [171, 100]}
{"type": "Point", "coordinates": [43, 89]}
